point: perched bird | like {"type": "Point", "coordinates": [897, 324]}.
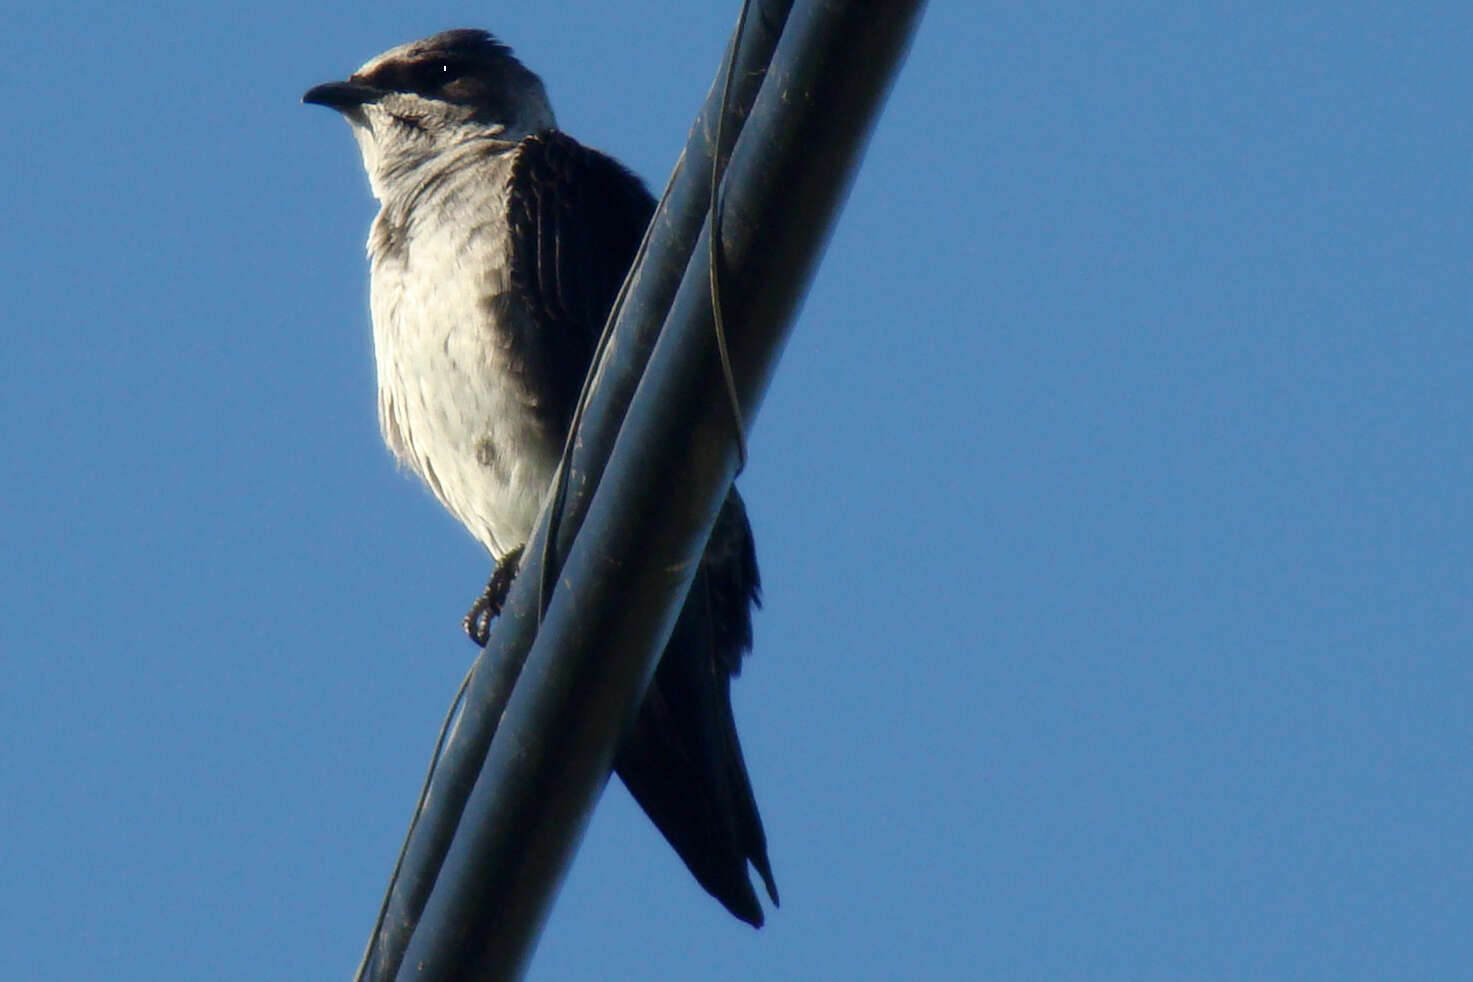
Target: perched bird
{"type": "Point", "coordinates": [498, 248]}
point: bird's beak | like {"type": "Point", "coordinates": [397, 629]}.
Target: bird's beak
{"type": "Point", "coordinates": [341, 96]}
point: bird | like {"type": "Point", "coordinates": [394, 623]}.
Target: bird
{"type": "Point", "coordinates": [497, 252]}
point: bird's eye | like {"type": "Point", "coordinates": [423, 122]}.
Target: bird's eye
{"type": "Point", "coordinates": [429, 77]}
{"type": "Point", "coordinates": [440, 73]}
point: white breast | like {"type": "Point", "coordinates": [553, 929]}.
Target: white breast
{"type": "Point", "coordinates": [449, 406]}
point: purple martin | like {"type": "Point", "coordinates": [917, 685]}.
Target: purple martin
{"type": "Point", "coordinates": [498, 249]}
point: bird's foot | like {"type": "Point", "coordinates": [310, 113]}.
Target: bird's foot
{"type": "Point", "coordinates": [488, 605]}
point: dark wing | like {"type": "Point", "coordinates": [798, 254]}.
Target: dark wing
{"type": "Point", "coordinates": [576, 219]}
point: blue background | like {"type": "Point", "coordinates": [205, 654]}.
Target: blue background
{"type": "Point", "coordinates": [1112, 500]}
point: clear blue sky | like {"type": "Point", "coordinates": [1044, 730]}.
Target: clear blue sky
{"type": "Point", "coordinates": [1112, 500]}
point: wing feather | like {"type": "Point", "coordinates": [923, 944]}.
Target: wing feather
{"type": "Point", "coordinates": [577, 218]}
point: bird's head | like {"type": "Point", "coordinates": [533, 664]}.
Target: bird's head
{"type": "Point", "coordinates": [424, 97]}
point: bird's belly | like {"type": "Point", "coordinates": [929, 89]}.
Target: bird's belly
{"type": "Point", "coordinates": [451, 405]}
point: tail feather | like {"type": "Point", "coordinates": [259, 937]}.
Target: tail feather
{"type": "Point", "coordinates": [682, 760]}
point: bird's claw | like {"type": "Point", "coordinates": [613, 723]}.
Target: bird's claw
{"type": "Point", "coordinates": [477, 622]}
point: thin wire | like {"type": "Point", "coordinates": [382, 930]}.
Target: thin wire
{"type": "Point", "coordinates": [559, 496]}
{"type": "Point", "coordinates": [714, 260]}
{"type": "Point", "coordinates": [419, 807]}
